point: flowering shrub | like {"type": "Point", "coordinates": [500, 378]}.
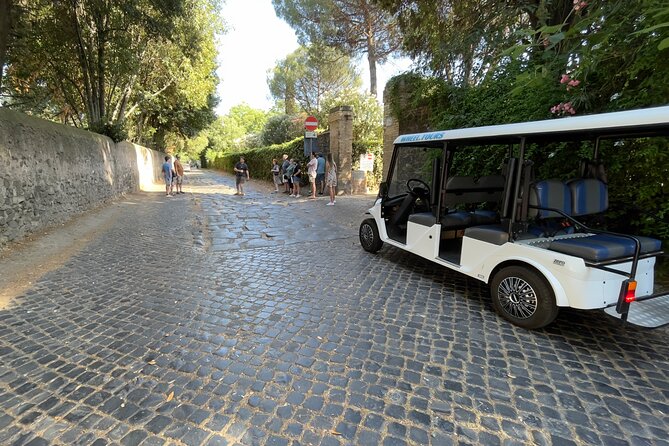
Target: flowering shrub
{"type": "Point", "coordinates": [566, 108]}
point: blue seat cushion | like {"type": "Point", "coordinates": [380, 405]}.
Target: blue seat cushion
{"type": "Point", "coordinates": [456, 220]}
{"type": "Point", "coordinates": [602, 247]}
{"type": "Point", "coordinates": [484, 217]}
{"type": "Point", "coordinates": [588, 196]}
{"type": "Point", "coordinates": [549, 194]}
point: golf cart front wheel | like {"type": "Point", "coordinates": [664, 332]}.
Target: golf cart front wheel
{"type": "Point", "coordinates": [369, 236]}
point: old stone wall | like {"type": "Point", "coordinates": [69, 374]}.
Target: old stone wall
{"type": "Point", "coordinates": [413, 119]}
{"type": "Point", "coordinates": [50, 172]}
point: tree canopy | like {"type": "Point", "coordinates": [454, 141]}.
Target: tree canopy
{"type": "Point", "coordinates": [305, 76]}
{"type": "Point", "coordinates": [355, 27]}
{"type": "Point", "coordinates": [138, 67]}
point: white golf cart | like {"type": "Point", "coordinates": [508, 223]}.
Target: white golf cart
{"type": "Point", "coordinates": [525, 237]}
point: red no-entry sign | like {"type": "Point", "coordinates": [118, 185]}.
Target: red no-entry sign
{"type": "Point", "coordinates": [311, 123]}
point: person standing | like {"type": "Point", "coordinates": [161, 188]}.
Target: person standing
{"type": "Point", "coordinates": [331, 178]}
{"type": "Point", "coordinates": [284, 173]}
{"type": "Point", "coordinates": [312, 166]}
{"type": "Point", "coordinates": [179, 171]}
{"type": "Point", "coordinates": [297, 177]}
{"type": "Point", "coordinates": [320, 174]}
{"type": "Point", "coordinates": [167, 175]}
{"type": "Point", "coordinates": [242, 175]}
{"type": "Point", "coordinates": [275, 175]}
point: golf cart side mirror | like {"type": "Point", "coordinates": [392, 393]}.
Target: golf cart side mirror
{"type": "Point", "coordinates": [383, 190]}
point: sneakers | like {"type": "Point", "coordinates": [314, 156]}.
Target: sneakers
{"type": "Point", "coordinates": [330, 204]}
{"type": "Point", "coordinates": [168, 195]}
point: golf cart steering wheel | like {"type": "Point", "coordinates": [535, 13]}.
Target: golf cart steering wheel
{"type": "Point", "coordinates": [421, 190]}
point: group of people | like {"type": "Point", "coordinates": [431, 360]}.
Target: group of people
{"type": "Point", "coordinates": [322, 173]}
{"type": "Point", "coordinates": [173, 174]}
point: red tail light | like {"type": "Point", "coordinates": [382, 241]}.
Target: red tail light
{"type": "Point", "coordinates": [630, 293]}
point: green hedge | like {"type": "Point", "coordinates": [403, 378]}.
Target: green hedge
{"type": "Point", "coordinates": [259, 159]}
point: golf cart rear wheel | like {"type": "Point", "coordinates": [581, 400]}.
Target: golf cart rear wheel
{"type": "Point", "coordinates": [369, 236]}
{"type": "Point", "coordinates": [523, 296]}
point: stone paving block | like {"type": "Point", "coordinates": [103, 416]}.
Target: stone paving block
{"type": "Point", "coordinates": [134, 341]}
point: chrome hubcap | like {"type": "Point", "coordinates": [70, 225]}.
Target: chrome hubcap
{"type": "Point", "coordinates": [517, 297]}
{"type": "Point", "coordinates": [367, 235]}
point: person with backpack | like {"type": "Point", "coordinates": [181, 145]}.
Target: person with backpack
{"type": "Point", "coordinates": [284, 175]}
{"type": "Point", "coordinates": [289, 175]}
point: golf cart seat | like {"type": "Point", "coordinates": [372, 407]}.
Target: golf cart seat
{"type": "Point", "coordinates": [585, 196]}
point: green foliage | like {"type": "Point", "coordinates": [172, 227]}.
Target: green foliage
{"type": "Point", "coordinates": [115, 131]}
{"type": "Point", "coordinates": [282, 128]}
{"type": "Point", "coordinates": [353, 27]}
{"type": "Point", "coordinates": [374, 146]}
{"type": "Point", "coordinates": [305, 76]}
{"type": "Point", "coordinates": [368, 114]}
{"type": "Point", "coordinates": [144, 65]}
{"type": "Point", "coordinates": [238, 129]}
{"type": "Point", "coordinates": [552, 59]}
{"type": "Point", "coordinates": [258, 159]}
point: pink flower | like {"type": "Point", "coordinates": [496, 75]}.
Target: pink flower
{"type": "Point", "coordinates": [563, 108]}
{"type": "Point", "coordinates": [578, 4]}
{"type": "Point", "coordinates": [564, 79]}
{"type": "Point", "coordinates": [574, 83]}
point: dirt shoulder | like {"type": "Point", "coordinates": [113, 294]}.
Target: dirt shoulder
{"type": "Point", "coordinates": [24, 262]}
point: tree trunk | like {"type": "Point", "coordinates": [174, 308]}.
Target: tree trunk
{"type": "Point", "coordinates": [101, 71]}
{"type": "Point", "coordinates": [289, 99]}
{"type": "Point", "coordinates": [5, 26]}
{"type": "Point", "coordinates": [371, 59]}
{"type": "Point", "coordinates": [84, 64]}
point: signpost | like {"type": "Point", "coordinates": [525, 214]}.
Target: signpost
{"type": "Point", "coordinates": [310, 145]}
{"type": "Point", "coordinates": [367, 162]}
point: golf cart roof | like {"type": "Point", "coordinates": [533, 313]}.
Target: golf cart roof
{"type": "Point", "coordinates": [633, 123]}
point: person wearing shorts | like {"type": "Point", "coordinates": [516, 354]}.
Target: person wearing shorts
{"type": "Point", "coordinates": [284, 174]}
{"type": "Point", "coordinates": [168, 172]}
{"type": "Point", "coordinates": [275, 175]}
{"type": "Point", "coordinates": [320, 174]}
{"type": "Point", "coordinates": [297, 177]}
{"type": "Point", "coordinates": [179, 171]}
{"type": "Point", "coordinates": [241, 175]}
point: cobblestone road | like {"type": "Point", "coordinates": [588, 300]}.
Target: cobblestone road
{"type": "Point", "coordinates": [212, 319]}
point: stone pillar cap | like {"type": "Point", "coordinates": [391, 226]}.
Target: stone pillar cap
{"type": "Point", "coordinates": [348, 108]}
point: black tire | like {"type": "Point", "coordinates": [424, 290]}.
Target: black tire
{"type": "Point", "coordinates": [369, 236]}
{"type": "Point", "coordinates": [523, 296]}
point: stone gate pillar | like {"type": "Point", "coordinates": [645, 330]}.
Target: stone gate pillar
{"type": "Point", "coordinates": [341, 144]}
